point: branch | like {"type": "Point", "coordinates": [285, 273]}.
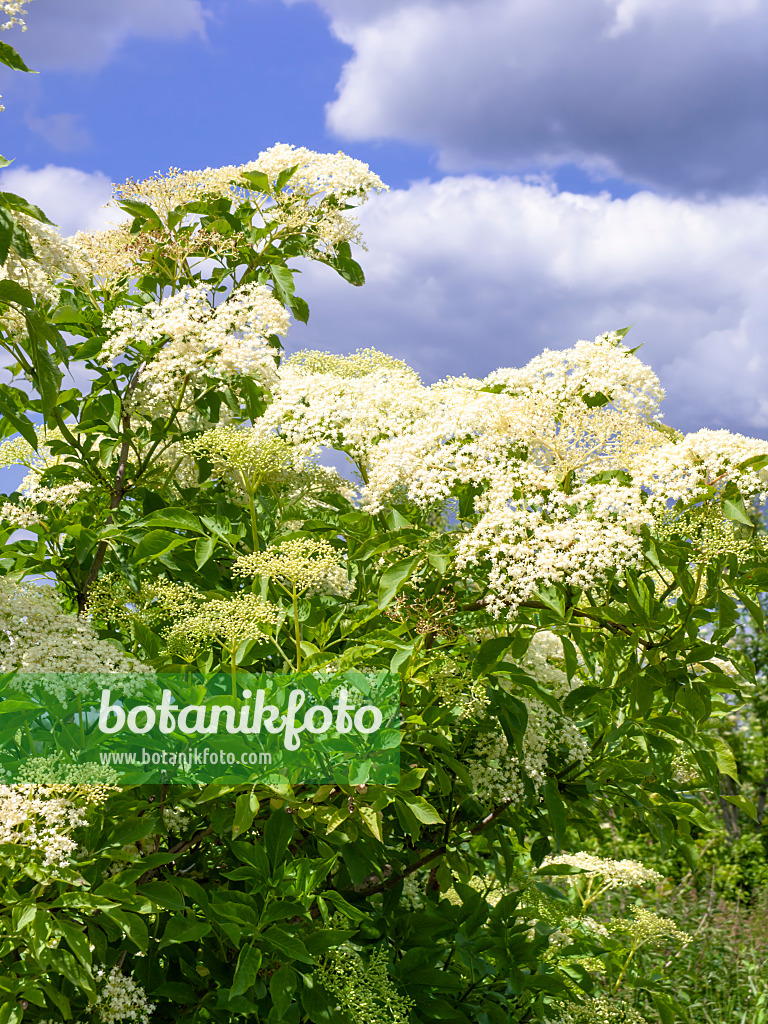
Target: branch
{"type": "Point", "coordinates": [372, 885]}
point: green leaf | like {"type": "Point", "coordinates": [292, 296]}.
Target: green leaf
{"type": "Point", "coordinates": [156, 543]}
{"type": "Point", "coordinates": [283, 281]}
{"type": "Point", "coordinates": [284, 177]}
{"type": "Point", "coordinates": [726, 762]}
{"type": "Point", "coordinates": [246, 809]}
{"type": "Point", "coordinates": [182, 929]}
{"type": "Point", "coordinates": [177, 518]}
{"type": "Point", "coordinates": [132, 925]}
{"type": "Point", "coordinates": [141, 210]}
{"type": "Point", "coordinates": [11, 59]}
{"type": "Point", "coordinates": [76, 940]}
{"type": "Point", "coordinates": [148, 639]}
{"type": "Point", "coordinates": [394, 578]}
{"type": "Point", "coordinates": [12, 291]}
{"type": "Point", "coordinates": [422, 810]}
{"type": "Point", "coordinates": [557, 811]}
{"type": "Point", "coordinates": [163, 894]}
{"type": "Point", "coordinates": [282, 985]}
{"type": "Point", "coordinates": [349, 269]}
{"type": "Point", "coordinates": [734, 509]}
{"type": "Point", "coordinates": [48, 374]}
{"type": "Point", "coordinates": [258, 180]}
{"type": "Point", "coordinates": [22, 205]}
{"type": "Point", "coordinates": [246, 971]}
{"type": "Point", "coordinates": [288, 944]}
{"type": "Point", "coordinates": [7, 228]}
{"type": "Point", "coordinates": [743, 804]}
{"type": "Point", "coordinates": [490, 653]}
{"type": "Point", "coordinates": [203, 550]}
{"type": "Point", "coordinates": [277, 834]}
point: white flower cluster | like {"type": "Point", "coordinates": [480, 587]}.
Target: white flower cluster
{"type": "Point", "coordinates": [55, 650]}
{"type": "Point", "coordinates": [92, 780]}
{"type": "Point", "coordinates": [183, 337]}
{"type": "Point", "coordinates": [566, 458]}
{"type": "Point", "coordinates": [230, 622]}
{"type": "Point", "coordinates": [683, 469]}
{"type": "Point", "coordinates": [174, 819]}
{"type": "Point", "coordinates": [498, 774]}
{"type": "Point", "coordinates": [586, 372]}
{"type": "Point", "coordinates": [41, 819]}
{"type": "Point", "coordinates": [646, 926]}
{"type": "Point", "coordinates": [578, 539]}
{"type": "Point", "coordinates": [54, 259]}
{"type": "Point", "coordinates": [18, 451]}
{"type": "Point", "coordinates": [121, 999]}
{"type": "Point", "coordinates": [598, 1011]}
{"type": "Point", "coordinates": [349, 404]}
{"type": "Point", "coordinates": [616, 874]}
{"type": "Point", "coordinates": [317, 173]}
{"type": "Point", "coordinates": [16, 11]}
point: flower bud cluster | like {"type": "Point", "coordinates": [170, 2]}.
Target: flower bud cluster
{"type": "Point", "coordinates": [304, 564]}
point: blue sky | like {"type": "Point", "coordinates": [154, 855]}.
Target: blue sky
{"type": "Point", "coordinates": [557, 169]}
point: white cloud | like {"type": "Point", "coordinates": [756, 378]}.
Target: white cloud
{"type": "Point", "coordinates": [670, 93]}
{"type": "Point", "coordinates": [71, 198]}
{"type": "Point", "coordinates": [83, 35]}
{"type": "Point", "coordinates": [468, 274]}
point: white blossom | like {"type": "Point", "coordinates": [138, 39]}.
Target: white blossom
{"type": "Point", "coordinates": [184, 338]}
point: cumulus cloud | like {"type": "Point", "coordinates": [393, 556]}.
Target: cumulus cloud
{"type": "Point", "coordinates": [83, 35]}
{"type": "Point", "coordinates": [665, 93]}
{"type": "Point", "coordinates": [71, 198]}
{"type": "Point", "coordinates": [468, 274]}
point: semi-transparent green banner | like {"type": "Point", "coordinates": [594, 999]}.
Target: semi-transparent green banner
{"type": "Point", "coordinates": [189, 728]}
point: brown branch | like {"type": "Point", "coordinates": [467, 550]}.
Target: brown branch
{"type": "Point", "coordinates": [365, 888]}
{"type": "Point", "coordinates": [118, 492]}
{"type": "Point", "coordinates": [177, 851]}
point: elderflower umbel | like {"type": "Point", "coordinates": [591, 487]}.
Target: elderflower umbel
{"type": "Point", "coordinates": [40, 818]}
{"type": "Point", "coordinates": [121, 999]}
{"type": "Point", "coordinates": [324, 402]}
{"type": "Point", "coordinates": [616, 874]}
{"type": "Point", "coordinates": [54, 259]}
{"type": "Point", "coordinates": [18, 451]}
{"type": "Point", "coordinates": [498, 773]}
{"type": "Point", "coordinates": [649, 927]}
{"type": "Point", "coordinates": [91, 781]}
{"type": "Point", "coordinates": [113, 601]}
{"type": "Point", "coordinates": [305, 565]}
{"type": "Point", "coordinates": [54, 650]}
{"type": "Point", "coordinates": [16, 11]}
{"type": "Point", "coordinates": [684, 468]}
{"type": "Point", "coordinates": [598, 1011]}
{"type": "Point", "coordinates": [184, 340]}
